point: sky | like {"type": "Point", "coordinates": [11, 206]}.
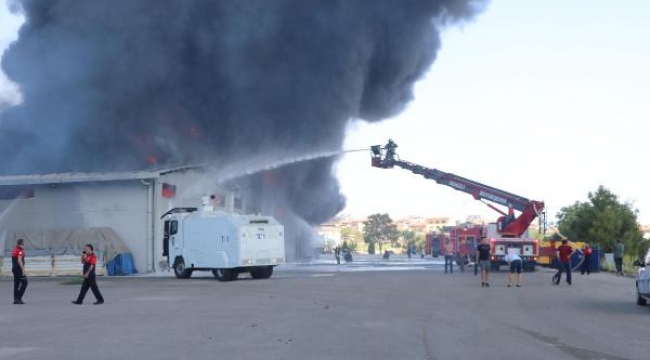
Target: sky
{"type": "Point", "coordinates": [544, 99]}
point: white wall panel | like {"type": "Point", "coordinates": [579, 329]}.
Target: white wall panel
{"type": "Point", "coordinates": [121, 205]}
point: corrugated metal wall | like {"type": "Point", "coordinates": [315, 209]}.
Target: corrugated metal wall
{"type": "Point", "coordinates": [121, 205]}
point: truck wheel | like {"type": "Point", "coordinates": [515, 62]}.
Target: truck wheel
{"type": "Point", "coordinates": [529, 268]}
{"type": "Point", "coordinates": [224, 274]}
{"type": "Point", "coordinates": [262, 272]}
{"type": "Point", "coordinates": [639, 300]}
{"type": "Point", "coordinates": [180, 270]}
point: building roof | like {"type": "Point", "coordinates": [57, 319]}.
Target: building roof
{"type": "Point", "coordinates": [60, 178]}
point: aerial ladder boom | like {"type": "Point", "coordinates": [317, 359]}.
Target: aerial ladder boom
{"type": "Point", "coordinates": [507, 225]}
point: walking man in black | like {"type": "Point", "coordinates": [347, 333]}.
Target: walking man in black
{"type": "Point", "coordinates": [18, 269]}
{"type": "Point", "coordinates": [619, 251]}
{"type": "Point", "coordinates": [89, 260]}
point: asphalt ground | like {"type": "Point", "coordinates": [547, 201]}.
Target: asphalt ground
{"type": "Point", "coordinates": [328, 311]}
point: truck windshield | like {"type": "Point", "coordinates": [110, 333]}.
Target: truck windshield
{"type": "Point", "coordinates": [435, 245]}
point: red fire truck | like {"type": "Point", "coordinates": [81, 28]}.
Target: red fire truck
{"type": "Point", "coordinates": [433, 243]}
{"type": "Point", "coordinates": [464, 238]}
{"type": "Point", "coordinates": [508, 233]}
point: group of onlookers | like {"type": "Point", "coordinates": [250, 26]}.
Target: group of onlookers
{"type": "Point", "coordinates": [515, 263]}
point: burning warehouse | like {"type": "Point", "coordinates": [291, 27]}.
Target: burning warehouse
{"type": "Point", "coordinates": [111, 90]}
{"type": "Point", "coordinates": [118, 212]}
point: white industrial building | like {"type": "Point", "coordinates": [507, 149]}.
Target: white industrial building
{"type": "Point", "coordinates": [129, 203]}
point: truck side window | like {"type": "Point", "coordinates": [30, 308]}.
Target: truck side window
{"type": "Point", "coordinates": [173, 227]}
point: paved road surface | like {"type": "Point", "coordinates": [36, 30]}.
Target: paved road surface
{"type": "Point", "coordinates": [324, 311]}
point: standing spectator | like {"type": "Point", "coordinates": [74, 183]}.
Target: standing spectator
{"type": "Point", "coordinates": [483, 260]}
{"type": "Point", "coordinates": [347, 255]}
{"type": "Point", "coordinates": [514, 261]}
{"type": "Point", "coordinates": [619, 251]}
{"type": "Point", "coordinates": [337, 255]}
{"type": "Point", "coordinates": [564, 253]}
{"type": "Point", "coordinates": [89, 260]}
{"type": "Point", "coordinates": [586, 260]}
{"type": "Point", "coordinates": [449, 256]}
{"type": "Point", "coordinates": [18, 269]}
{"type": "Point", "coordinates": [462, 257]}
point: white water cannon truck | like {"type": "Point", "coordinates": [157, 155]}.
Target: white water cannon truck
{"type": "Point", "coordinates": [225, 243]}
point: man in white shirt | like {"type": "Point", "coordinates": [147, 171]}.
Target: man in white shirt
{"type": "Point", "coordinates": [514, 261]}
{"type": "Point", "coordinates": [449, 256]}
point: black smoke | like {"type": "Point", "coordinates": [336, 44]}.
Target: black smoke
{"type": "Point", "coordinates": [113, 85]}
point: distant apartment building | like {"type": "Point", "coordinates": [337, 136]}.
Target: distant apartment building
{"type": "Point", "coordinates": [418, 224]}
{"type": "Point", "coordinates": [330, 231]}
{"type": "Point", "coordinates": [421, 224]}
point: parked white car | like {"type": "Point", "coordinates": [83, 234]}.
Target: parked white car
{"type": "Point", "coordinates": [643, 280]}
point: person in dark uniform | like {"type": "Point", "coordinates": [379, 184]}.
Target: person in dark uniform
{"type": "Point", "coordinates": [18, 269]}
{"type": "Point", "coordinates": [483, 260]}
{"type": "Point", "coordinates": [508, 218]}
{"type": "Point", "coordinates": [390, 150]}
{"type": "Point", "coordinates": [586, 260]}
{"type": "Point", "coordinates": [89, 260]}
{"type": "Point", "coordinates": [337, 255]}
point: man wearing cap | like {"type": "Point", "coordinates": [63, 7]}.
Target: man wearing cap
{"type": "Point", "coordinates": [18, 269]}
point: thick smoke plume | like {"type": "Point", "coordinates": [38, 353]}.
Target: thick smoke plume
{"type": "Point", "coordinates": [130, 85]}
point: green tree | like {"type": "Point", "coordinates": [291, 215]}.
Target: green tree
{"type": "Point", "coordinates": [353, 246]}
{"type": "Point", "coordinates": [602, 220]}
{"type": "Point", "coordinates": [419, 242]}
{"type": "Point", "coordinates": [371, 248]}
{"type": "Point", "coordinates": [345, 247]}
{"type": "Point", "coordinates": [393, 236]}
{"type": "Point", "coordinates": [378, 231]}
{"type": "Point", "coordinates": [352, 236]}
{"type": "Point", "coordinates": [346, 233]}
{"type": "Point", "coordinates": [412, 239]}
